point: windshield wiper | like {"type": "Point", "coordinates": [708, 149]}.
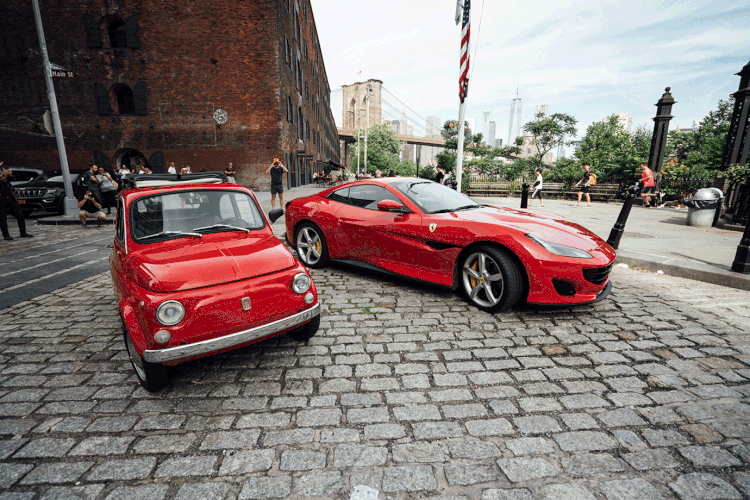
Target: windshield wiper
{"type": "Point", "coordinates": [447, 210]}
{"type": "Point", "coordinates": [222, 226]}
{"type": "Point", "coordinates": [168, 233]}
{"type": "Point", "coordinates": [466, 207]}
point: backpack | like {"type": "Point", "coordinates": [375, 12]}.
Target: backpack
{"type": "Point", "coordinates": [592, 180]}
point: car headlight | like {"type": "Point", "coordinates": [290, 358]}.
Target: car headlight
{"type": "Point", "coordinates": [557, 249]}
{"type": "Point", "coordinates": [170, 313]}
{"type": "Point", "coordinates": [301, 283]}
{"type": "Point", "coordinates": [51, 191]}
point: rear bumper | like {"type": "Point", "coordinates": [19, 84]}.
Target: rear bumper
{"type": "Point", "coordinates": [228, 341]}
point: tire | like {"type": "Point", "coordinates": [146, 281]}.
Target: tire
{"type": "Point", "coordinates": [152, 376]}
{"type": "Point", "coordinates": [491, 280]}
{"type": "Point", "coordinates": [306, 331]}
{"type": "Point", "coordinates": [311, 246]}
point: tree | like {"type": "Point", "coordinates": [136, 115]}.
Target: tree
{"type": "Point", "coordinates": [548, 132]}
{"type": "Point", "coordinates": [704, 155]}
{"type": "Point", "coordinates": [382, 150]}
{"type": "Point", "coordinates": [609, 149]}
{"type": "Point", "coordinates": [483, 159]}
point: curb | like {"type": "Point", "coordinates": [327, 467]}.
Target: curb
{"type": "Point", "coordinates": [697, 271]}
{"type": "Point", "coordinates": [69, 221]}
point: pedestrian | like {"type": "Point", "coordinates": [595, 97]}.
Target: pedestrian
{"type": "Point", "coordinates": [123, 170]}
{"type": "Point", "coordinates": [647, 178]}
{"type": "Point", "coordinates": [108, 189]}
{"type": "Point", "coordinates": [585, 184]}
{"type": "Point", "coordinates": [377, 173]}
{"type": "Point", "coordinates": [9, 203]}
{"type": "Point", "coordinates": [277, 171]}
{"type": "Point", "coordinates": [171, 169]}
{"type": "Point", "coordinates": [440, 175]}
{"type": "Point", "coordinates": [91, 183]}
{"type": "Point", "coordinates": [90, 209]}
{"type": "Point", "coordinates": [538, 186]}
{"type": "Point", "coordinates": [229, 172]}
{"type": "Point", "coordinates": [133, 171]}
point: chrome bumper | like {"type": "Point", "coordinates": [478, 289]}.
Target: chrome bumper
{"type": "Point", "coordinates": [217, 344]}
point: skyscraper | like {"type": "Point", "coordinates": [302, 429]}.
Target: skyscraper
{"type": "Point", "coordinates": [433, 126]}
{"type": "Point", "coordinates": [625, 121]}
{"type": "Point", "coordinates": [490, 138]}
{"type": "Point", "coordinates": [515, 108]}
{"type": "Point", "coordinates": [543, 109]}
{"type": "Point", "coordinates": [486, 125]}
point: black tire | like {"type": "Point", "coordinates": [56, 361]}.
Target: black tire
{"type": "Point", "coordinates": [311, 246]}
{"type": "Point", "coordinates": [152, 376]}
{"type": "Point", "coordinates": [490, 279]}
{"type": "Point", "coordinates": [306, 331]}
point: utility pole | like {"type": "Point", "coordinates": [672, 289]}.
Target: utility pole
{"type": "Point", "coordinates": [367, 125]}
{"type": "Point", "coordinates": [463, 14]}
{"type": "Point", "coordinates": [71, 208]}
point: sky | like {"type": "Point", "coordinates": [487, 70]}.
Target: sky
{"type": "Point", "coordinates": [589, 59]}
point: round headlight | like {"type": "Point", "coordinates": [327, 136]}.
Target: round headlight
{"type": "Point", "coordinates": [301, 283]}
{"type": "Point", "coordinates": [170, 312]}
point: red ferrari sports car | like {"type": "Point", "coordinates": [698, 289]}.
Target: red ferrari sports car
{"type": "Point", "coordinates": [422, 230]}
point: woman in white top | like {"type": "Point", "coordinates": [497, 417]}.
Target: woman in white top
{"type": "Point", "coordinates": [538, 185]}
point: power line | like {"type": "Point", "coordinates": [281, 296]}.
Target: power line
{"type": "Point", "coordinates": [476, 47]}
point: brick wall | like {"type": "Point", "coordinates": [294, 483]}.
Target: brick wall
{"type": "Point", "coordinates": [193, 58]}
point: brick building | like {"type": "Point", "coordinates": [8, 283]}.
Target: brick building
{"type": "Point", "coordinates": [194, 83]}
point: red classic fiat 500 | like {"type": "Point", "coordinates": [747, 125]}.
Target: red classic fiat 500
{"type": "Point", "coordinates": [197, 271]}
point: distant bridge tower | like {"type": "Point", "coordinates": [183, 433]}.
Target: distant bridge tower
{"type": "Point", "coordinates": [515, 108]}
{"type": "Point", "coordinates": [356, 104]}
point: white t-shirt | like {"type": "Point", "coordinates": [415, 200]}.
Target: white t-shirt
{"type": "Point", "coordinates": [172, 170]}
{"type": "Point", "coordinates": [540, 181]}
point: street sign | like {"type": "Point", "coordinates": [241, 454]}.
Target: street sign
{"type": "Point", "coordinates": [62, 74]}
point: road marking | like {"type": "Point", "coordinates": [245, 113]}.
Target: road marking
{"type": "Point", "coordinates": [21, 285]}
{"type": "Point", "coordinates": [49, 262]}
{"type": "Point", "coordinates": [54, 251]}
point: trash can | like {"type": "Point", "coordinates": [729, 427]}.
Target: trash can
{"type": "Point", "coordinates": [704, 207]}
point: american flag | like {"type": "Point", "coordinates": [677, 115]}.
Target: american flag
{"type": "Point", "coordinates": [463, 81]}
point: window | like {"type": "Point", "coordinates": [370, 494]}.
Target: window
{"type": "Point", "coordinates": [118, 39]}
{"type": "Point", "coordinates": [93, 34]}
{"type": "Point", "coordinates": [289, 110]}
{"type": "Point", "coordinates": [102, 100]}
{"type": "Point", "coordinates": [125, 100]}
{"type": "Point", "coordinates": [340, 195]}
{"type": "Point", "coordinates": [367, 196]}
{"type": "Point", "coordinates": [120, 222]}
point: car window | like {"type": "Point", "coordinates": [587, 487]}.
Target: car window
{"type": "Point", "coordinates": [367, 196]}
{"type": "Point", "coordinates": [23, 175]}
{"type": "Point", "coordinates": [120, 223]}
{"type": "Point", "coordinates": [199, 211]}
{"type": "Point", "coordinates": [340, 195]}
{"type": "Point", "coordinates": [432, 197]}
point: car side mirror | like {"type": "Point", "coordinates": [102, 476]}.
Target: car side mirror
{"type": "Point", "coordinates": [390, 206]}
{"type": "Point", "coordinates": [275, 214]}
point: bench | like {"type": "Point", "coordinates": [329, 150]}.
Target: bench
{"type": "Point", "coordinates": [489, 189]}
{"type": "Point", "coordinates": [549, 190]}
{"type": "Point", "coordinates": [606, 192]}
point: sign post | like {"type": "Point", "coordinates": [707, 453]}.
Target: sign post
{"type": "Point", "coordinates": [71, 206]}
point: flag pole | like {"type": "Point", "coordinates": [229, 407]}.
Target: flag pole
{"type": "Point", "coordinates": [463, 14]}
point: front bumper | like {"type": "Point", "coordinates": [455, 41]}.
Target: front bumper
{"type": "Point", "coordinates": [228, 341]}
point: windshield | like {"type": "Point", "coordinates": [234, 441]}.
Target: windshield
{"type": "Point", "coordinates": [57, 178]}
{"type": "Point", "coordinates": [193, 213]}
{"type": "Point", "coordinates": [432, 197]}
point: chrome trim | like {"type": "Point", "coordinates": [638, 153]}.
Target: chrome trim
{"type": "Point", "coordinates": [213, 345]}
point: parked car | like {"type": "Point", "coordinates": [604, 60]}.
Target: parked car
{"type": "Point", "coordinates": [47, 192]}
{"type": "Point", "coordinates": [23, 175]}
{"type": "Point", "coordinates": [197, 270]}
{"type": "Point", "coordinates": [418, 229]}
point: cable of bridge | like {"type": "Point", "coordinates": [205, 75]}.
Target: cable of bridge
{"type": "Point", "coordinates": [423, 127]}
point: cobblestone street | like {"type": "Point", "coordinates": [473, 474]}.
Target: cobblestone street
{"type": "Point", "coordinates": [406, 392]}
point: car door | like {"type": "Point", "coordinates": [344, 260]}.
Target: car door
{"type": "Point", "coordinates": [388, 240]}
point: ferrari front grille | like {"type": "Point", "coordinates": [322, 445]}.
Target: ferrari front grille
{"type": "Point", "coordinates": [597, 275]}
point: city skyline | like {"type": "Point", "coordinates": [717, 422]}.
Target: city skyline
{"type": "Point", "coordinates": [582, 58]}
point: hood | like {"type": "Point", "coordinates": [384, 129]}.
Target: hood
{"type": "Point", "coordinates": [550, 227]}
{"type": "Point", "coordinates": [187, 263]}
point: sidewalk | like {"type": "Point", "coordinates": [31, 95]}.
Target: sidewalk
{"type": "Point", "coordinates": [655, 239]}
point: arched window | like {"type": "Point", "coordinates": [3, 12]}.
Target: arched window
{"type": "Point", "coordinates": [125, 100]}
{"type": "Point", "coordinates": [118, 38]}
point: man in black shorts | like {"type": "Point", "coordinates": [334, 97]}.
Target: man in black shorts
{"type": "Point", "coordinates": [277, 171]}
{"type": "Point", "coordinates": [585, 184]}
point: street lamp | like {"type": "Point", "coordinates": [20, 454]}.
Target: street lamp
{"type": "Point", "coordinates": [367, 125]}
{"type": "Point", "coordinates": [71, 207]}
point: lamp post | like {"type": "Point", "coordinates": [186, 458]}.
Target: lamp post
{"type": "Point", "coordinates": [71, 207]}
{"type": "Point", "coordinates": [659, 139]}
{"type": "Point", "coordinates": [367, 124]}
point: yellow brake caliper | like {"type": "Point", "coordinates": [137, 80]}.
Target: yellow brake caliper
{"type": "Point", "coordinates": [472, 279]}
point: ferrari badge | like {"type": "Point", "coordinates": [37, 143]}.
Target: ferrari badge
{"type": "Point", "coordinates": [433, 226]}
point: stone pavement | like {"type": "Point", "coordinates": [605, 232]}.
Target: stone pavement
{"type": "Point", "coordinates": [407, 392]}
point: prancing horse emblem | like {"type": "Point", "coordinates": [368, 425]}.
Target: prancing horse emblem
{"type": "Point", "coordinates": [433, 226]}
{"type": "Point", "coordinates": [245, 303]}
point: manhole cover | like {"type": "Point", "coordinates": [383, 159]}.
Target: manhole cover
{"type": "Point", "coordinates": [640, 235]}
